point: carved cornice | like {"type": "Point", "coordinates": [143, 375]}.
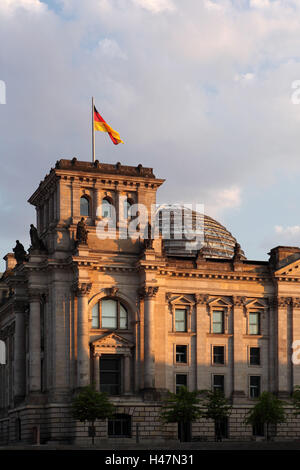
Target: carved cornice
{"type": "Point", "coordinates": [283, 301]}
{"type": "Point", "coordinates": [296, 302]}
{"type": "Point", "coordinates": [82, 288]}
{"type": "Point", "coordinates": [147, 292]}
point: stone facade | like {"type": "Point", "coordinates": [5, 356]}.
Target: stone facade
{"type": "Point", "coordinates": [135, 320]}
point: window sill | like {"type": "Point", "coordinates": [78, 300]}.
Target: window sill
{"type": "Point", "coordinates": [182, 333]}
{"type": "Point", "coordinates": [219, 335]}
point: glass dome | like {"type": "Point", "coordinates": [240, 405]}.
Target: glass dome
{"type": "Point", "coordinates": [214, 240]}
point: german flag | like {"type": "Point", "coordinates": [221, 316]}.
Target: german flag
{"type": "Point", "coordinates": [101, 125]}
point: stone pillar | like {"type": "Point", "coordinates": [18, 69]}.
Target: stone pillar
{"type": "Point", "coordinates": [83, 356]}
{"type": "Point", "coordinates": [283, 374]}
{"type": "Point", "coordinates": [239, 352]}
{"type": "Point", "coordinates": [203, 376]}
{"type": "Point", "coordinates": [149, 294]}
{"type": "Point", "coordinates": [19, 353]}
{"type": "Point", "coordinates": [127, 374]}
{"type": "Point", "coordinates": [34, 343]}
{"type": "Point", "coordinates": [97, 371]}
{"type": "Point", "coordinates": [296, 337]}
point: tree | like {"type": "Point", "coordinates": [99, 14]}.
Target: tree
{"type": "Point", "coordinates": [182, 408]}
{"type": "Point", "coordinates": [216, 407]}
{"type": "Point", "coordinates": [89, 405]}
{"type": "Point", "coordinates": [296, 400]}
{"type": "Point", "coordinates": [268, 410]}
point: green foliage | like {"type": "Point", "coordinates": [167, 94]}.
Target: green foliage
{"type": "Point", "coordinates": [215, 404]}
{"type": "Point", "coordinates": [181, 407]}
{"type": "Point", "coordinates": [296, 400]}
{"type": "Point", "coordinates": [268, 410]}
{"type": "Point", "coordinates": [90, 405]}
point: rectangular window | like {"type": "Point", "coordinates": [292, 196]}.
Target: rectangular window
{"type": "Point", "coordinates": [254, 356]}
{"type": "Point", "coordinates": [218, 355]}
{"type": "Point", "coordinates": [254, 323]}
{"type": "Point", "coordinates": [110, 374]}
{"type": "Point", "coordinates": [218, 383]}
{"type": "Point", "coordinates": [258, 430]}
{"type": "Point", "coordinates": [95, 316]}
{"type": "Point", "coordinates": [218, 321]}
{"type": "Point", "coordinates": [254, 386]}
{"type": "Point", "coordinates": [180, 319]}
{"type": "Point", "coordinates": [181, 381]}
{"type": "Point", "coordinates": [181, 354]}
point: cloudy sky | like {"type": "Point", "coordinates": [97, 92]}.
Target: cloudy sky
{"type": "Point", "coordinates": [200, 90]}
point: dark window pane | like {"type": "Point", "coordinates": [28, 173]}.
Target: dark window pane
{"type": "Point", "coordinates": [110, 375]}
{"type": "Point", "coordinates": [181, 354]}
{"type": "Point", "coordinates": [181, 380]}
{"type": "Point", "coordinates": [254, 386]}
{"type": "Point", "coordinates": [254, 356]}
{"type": "Point", "coordinates": [218, 355]}
{"type": "Point", "coordinates": [218, 383]}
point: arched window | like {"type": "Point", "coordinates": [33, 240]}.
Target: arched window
{"type": "Point", "coordinates": [110, 314]}
{"type": "Point", "coordinates": [106, 208]}
{"type": "Point", "coordinates": [127, 204]}
{"type": "Point", "coordinates": [84, 206]}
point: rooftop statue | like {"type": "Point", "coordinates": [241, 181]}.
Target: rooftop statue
{"type": "Point", "coordinates": [20, 253]}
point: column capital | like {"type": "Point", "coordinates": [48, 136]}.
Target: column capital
{"type": "Point", "coordinates": [201, 299]}
{"type": "Point", "coordinates": [36, 295]}
{"type": "Point", "coordinates": [239, 301]}
{"type": "Point", "coordinates": [82, 288]}
{"type": "Point", "coordinates": [147, 292]}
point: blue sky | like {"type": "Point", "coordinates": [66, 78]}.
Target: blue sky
{"type": "Point", "coordinates": [199, 90]}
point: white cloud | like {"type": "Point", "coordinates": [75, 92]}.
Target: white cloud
{"type": "Point", "coordinates": [111, 48]}
{"type": "Point", "coordinates": [288, 232]}
{"type": "Point", "coordinates": [244, 77]}
{"type": "Point", "coordinates": [260, 3]}
{"type": "Point", "coordinates": [155, 6]}
{"type": "Point", "coordinates": [10, 6]}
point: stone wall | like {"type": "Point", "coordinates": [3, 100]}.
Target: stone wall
{"type": "Point", "coordinates": [57, 426]}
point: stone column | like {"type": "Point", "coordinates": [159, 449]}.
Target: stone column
{"type": "Point", "coordinates": [19, 352]}
{"type": "Point", "coordinates": [127, 374]}
{"type": "Point", "coordinates": [283, 345]}
{"type": "Point", "coordinates": [97, 371]}
{"type": "Point", "coordinates": [34, 342]}
{"type": "Point", "coordinates": [83, 356]}
{"type": "Point", "coordinates": [239, 353]}
{"type": "Point", "coordinates": [149, 294]}
{"type": "Point", "coordinates": [203, 376]}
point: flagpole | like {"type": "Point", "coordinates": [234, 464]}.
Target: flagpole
{"type": "Point", "coordinates": [93, 132]}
